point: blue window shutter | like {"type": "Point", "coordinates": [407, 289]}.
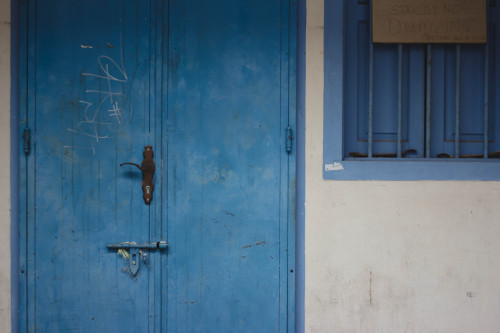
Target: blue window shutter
{"type": "Point", "coordinates": [385, 95]}
{"type": "Point", "coordinates": [347, 48]}
{"type": "Point", "coordinates": [472, 101]}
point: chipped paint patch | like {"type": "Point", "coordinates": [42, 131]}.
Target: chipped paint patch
{"type": "Point", "coordinates": [124, 253]}
{"type": "Point", "coordinates": [256, 243]}
{"type": "Point", "coordinates": [336, 166]}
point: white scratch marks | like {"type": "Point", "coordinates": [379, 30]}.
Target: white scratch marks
{"type": "Point", "coordinates": [336, 166]}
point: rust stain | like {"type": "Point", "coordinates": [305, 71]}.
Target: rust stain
{"type": "Point", "coordinates": [370, 291]}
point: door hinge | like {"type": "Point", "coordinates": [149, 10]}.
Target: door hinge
{"type": "Point", "coordinates": [27, 141]}
{"type": "Point", "coordinates": [289, 138]}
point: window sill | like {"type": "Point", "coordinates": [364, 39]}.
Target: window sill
{"type": "Point", "coordinates": [413, 169]}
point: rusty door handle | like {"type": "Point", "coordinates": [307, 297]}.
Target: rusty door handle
{"type": "Point", "coordinates": [148, 170]}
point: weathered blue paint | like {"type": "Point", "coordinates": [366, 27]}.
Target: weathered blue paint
{"type": "Point", "coordinates": [457, 101]}
{"type": "Point", "coordinates": [371, 89]}
{"type": "Point", "coordinates": [212, 88]}
{"type": "Point", "coordinates": [228, 181]}
{"type": "Point", "coordinates": [346, 127]}
{"type": "Point", "coordinates": [471, 101]}
{"type": "Point", "coordinates": [14, 165]}
{"type": "Point", "coordinates": [400, 101]}
{"type": "Point", "coordinates": [161, 245]}
{"type": "Point", "coordinates": [25, 170]}
{"type": "Point", "coordinates": [486, 101]}
{"type": "Point", "coordinates": [78, 200]}
{"type": "Point", "coordinates": [300, 143]}
{"type": "Point", "coordinates": [428, 100]}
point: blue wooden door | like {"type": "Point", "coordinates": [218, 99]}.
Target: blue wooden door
{"type": "Point", "coordinates": [210, 86]}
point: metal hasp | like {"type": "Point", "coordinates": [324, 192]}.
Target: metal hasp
{"type": "Point", "coordinates": [148, 170]}
{"type": "Point", "coordinates": [161, 245]}
{"type": "Point", "coordinates": [135, 254]}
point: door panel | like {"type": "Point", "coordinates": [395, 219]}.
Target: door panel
{"type": "Point", "coordinates": [209, 86]}
{"type": "Point", "coordinates": [90, 112]}
{"type": "Point", "coordinates": [225, 145]}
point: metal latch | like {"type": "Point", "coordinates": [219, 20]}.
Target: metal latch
{"type": "Point", "coordinates": [135, 253]}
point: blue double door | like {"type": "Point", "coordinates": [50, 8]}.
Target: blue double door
{"type": "Point", "coordinates": [209, 85]}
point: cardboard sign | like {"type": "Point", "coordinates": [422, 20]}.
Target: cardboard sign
{"type": "Point", "coordinates": [429, 21]}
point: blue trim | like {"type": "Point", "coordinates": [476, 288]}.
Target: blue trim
{"type": "Point", "coordinates": [411, 169]}
{"type": "Point", "coordinates": [14, 165]}
{"type": "Point", "coordinates": [300, 186]}
{"type": "Point", "coordinates": [334, 82]}
{"type": "Point", "coordinates": [339, 168]}
{"type": "Point", "coordinates": [291, 160]}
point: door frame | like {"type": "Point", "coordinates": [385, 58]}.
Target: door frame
{"type": "Point", "coordinates": [295, 83]}
{"type": "Point", "coordinates": [15, 41]}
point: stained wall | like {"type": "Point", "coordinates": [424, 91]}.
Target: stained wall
{"type": "Point", "coordinates": [394, 256]}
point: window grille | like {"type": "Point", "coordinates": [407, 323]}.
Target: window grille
{"type": "Point", "coordinates": [414, 101]}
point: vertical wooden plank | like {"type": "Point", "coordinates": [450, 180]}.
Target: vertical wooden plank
{"type": "Point", "coordinates": [284, 180]}
{"type": "Point", "coordinates": [24, 175]}
{"type": "Point", "coordinates": [400, 100]}
{"type": "Point", "coordinates": [371, 55]}
{"type": "Point", "coordinates": [486, 110]}
{"type": "Point", "coordinates": [288, 179]}
{"type": "Point", "coordinates": [85, 57]}
{"type": "Point", "coordinates": [291, 166]}
{"type": "Point", "coordinates": [457, 99]}
{"type": "Point", "coordinates": [29, 186]}
{"type": "Point", "coordinates": [428, 104]}
{"type": "Point", "coordinates": [153, 303]}
{"type": "Point", "coordinates": [164, 184]}
{"type": "Point", "coordinates": [157, 258]}
{"type": "Point", "coordinates": [370, 100]}
{"type": "Point", "coordinates": [225, 144]}
{"type": "Point", "coordinates": [414, 104]}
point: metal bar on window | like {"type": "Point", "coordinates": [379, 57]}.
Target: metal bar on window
{"type": "Point", "coordinates": [486, 99]}
{"type": "Point", "coordinates": [428, 102]}
{"type": "Point", "coordinates": [400, 98]}
{"type": "Point", "coordinates": [457, 103]}
{"type": "Point", "coordinates": [370, 103]}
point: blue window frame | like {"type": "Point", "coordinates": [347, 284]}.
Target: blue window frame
{"type": "Point", "coordinates": [390, 110]}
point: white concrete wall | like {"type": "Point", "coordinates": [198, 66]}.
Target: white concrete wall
{"type": "Point", "coordinates": [394, 256]}
{"type": "Point", "coordinates": [5, 165]}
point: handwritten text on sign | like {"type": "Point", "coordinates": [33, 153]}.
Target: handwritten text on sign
{"type": "Point", "coordinates": [429, 21]}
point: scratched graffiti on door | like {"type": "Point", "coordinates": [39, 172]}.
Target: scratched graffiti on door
{"type": "Point", "coordinates": [105, 109]}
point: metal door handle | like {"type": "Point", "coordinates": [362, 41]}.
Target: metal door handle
{"type": "Point", "coordinates": [148, 170]}
{"type": "Point", "coordinates": [134, 252]}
